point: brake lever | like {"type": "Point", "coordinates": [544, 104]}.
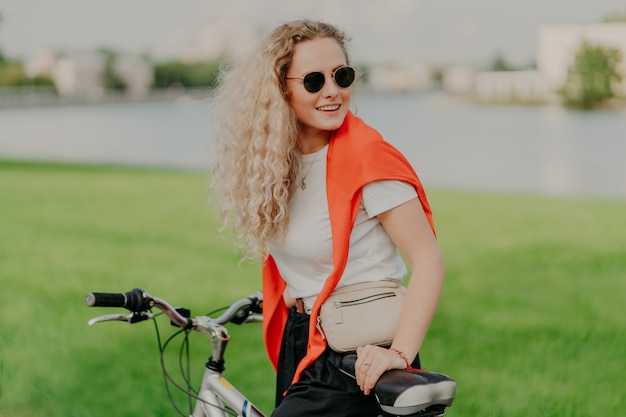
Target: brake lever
{"type": "Point", "coordinates": [129, 318]}
{"type": "Point", "coordinates": [254, 318]}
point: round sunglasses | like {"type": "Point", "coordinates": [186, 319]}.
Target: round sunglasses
{"type": "Point", "coordinates": [314, 81]}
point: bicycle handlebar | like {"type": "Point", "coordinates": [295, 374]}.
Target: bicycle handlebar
{"type": "Point", "coordinates": [139, 300]}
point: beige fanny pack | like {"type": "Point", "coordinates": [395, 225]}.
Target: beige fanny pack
{"type": "Point", "coordinates": [361, 314]}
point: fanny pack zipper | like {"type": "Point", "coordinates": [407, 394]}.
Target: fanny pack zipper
{"type": "Point", "coordinates": [340, 304]}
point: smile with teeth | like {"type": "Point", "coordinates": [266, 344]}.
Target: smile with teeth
{"type": "Point", "coordinates": [329, 108]}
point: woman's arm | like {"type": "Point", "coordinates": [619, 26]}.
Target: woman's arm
{"type": "Point", "coordinates": [288, 298]}
{"type": "Point", "coordinates": [410, 231]}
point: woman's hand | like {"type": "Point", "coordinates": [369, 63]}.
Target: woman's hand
{"type": "Point", "coordinates": [372, 362]}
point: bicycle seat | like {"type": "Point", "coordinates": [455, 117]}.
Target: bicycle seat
{"type": "Point", "coordinates": [409, 392]}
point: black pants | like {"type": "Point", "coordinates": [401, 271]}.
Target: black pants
{"type": "Point", "coordinates": [323, 390]}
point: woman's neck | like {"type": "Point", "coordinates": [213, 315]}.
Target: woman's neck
{"type": "Point", "coordinates": [313, 143]}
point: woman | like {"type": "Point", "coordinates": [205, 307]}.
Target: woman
{"type": "Point", "coordinates": [326, 203]}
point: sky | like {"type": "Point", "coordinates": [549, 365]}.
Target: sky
{"type": "Point", "coordinates": [430, 31]}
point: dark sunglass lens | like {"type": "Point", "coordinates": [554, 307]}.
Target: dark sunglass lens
{"type": "Point", "coordinates": [313, 82]}
{"type": "Point", "coordinates": [344, 77]}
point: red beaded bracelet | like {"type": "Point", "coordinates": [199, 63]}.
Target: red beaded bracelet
{"type": "Point", "coordinates": [406, 361]}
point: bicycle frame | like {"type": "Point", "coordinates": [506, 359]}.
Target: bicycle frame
{"type": "Point", "coordinates": [215, 389]}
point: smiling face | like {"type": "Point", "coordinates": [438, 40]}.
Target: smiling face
{"type": "Point", "coordinates": [324, 111]}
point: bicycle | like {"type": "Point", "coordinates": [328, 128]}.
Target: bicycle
{"type": "Point", "coordinates": [411, 393]}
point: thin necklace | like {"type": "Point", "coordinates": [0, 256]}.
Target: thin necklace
{"type": "Point", "coordinates": [303, 177]}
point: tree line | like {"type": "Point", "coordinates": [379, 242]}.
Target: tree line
{"type": "Point", "coordinates": [13, 74]}
{"type": "Point", "coordinates": [167, 74]}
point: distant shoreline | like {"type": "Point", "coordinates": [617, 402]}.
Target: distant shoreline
{"type": "Point", "coordinates": [23, 97]}
{"type": "Point", "coordinates": [46, 97]}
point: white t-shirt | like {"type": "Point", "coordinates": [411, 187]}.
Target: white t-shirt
{"type": "Point", "coordinates": [304, 256]}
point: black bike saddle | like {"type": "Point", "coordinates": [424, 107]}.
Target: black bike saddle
{"type": "Point", "coordinates": [409, 392]}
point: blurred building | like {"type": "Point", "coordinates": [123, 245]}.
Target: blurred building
{"type": "Point", "coordinates": [527, 86]}
{"type": "Point", "coordinates": [458, 80]}
{"type": "Point", "coordinates": [514, 86]}
{"type": "Point", "coordinates": [399, 77]}
{"type": "Point", "coordinates": [558, 45]}
{"type": "Point", "coordinates": [41, 63]}
{"type": "Point", "coordinates": [136, 74]}
{"type": "Point", "coordinates": [79, 74]}
{"type": "Point", "coordinates": [82, 73]}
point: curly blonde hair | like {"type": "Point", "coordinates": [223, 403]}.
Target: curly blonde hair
{"type": "Point", "coordinates": [257, 156]}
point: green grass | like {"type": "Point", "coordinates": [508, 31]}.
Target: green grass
{"type": "Point", "coordinates": [531, 321]}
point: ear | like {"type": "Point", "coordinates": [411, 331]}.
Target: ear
{"type": "Point", "coordinates": [286, 92]}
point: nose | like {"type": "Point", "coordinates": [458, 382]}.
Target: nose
{"type": "Point", "coordinates": [330, 88]}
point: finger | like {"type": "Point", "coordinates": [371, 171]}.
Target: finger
{"type": "Point", "coordinates": [370, 381]}
{"type": "Point", "coordinates": [361, 365]}
{"type": "Point", "coordinates": [368, 385]}
{"type": "Point", "coordinates": [368, 377]}
{"type": "Point", "coordinates": [360, 372]}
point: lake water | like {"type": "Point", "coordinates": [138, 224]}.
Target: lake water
{"type": "Point", "coordinates": [537, 149]}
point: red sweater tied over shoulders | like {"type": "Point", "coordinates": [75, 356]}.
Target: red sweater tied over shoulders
{"type": "Point", "coordinates": [357, 155]}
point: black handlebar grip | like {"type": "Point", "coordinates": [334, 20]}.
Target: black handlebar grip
{"type": "Point", "coordinates": [132, 300]}
{"type": "Point", "coordinates": [103, 299]}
